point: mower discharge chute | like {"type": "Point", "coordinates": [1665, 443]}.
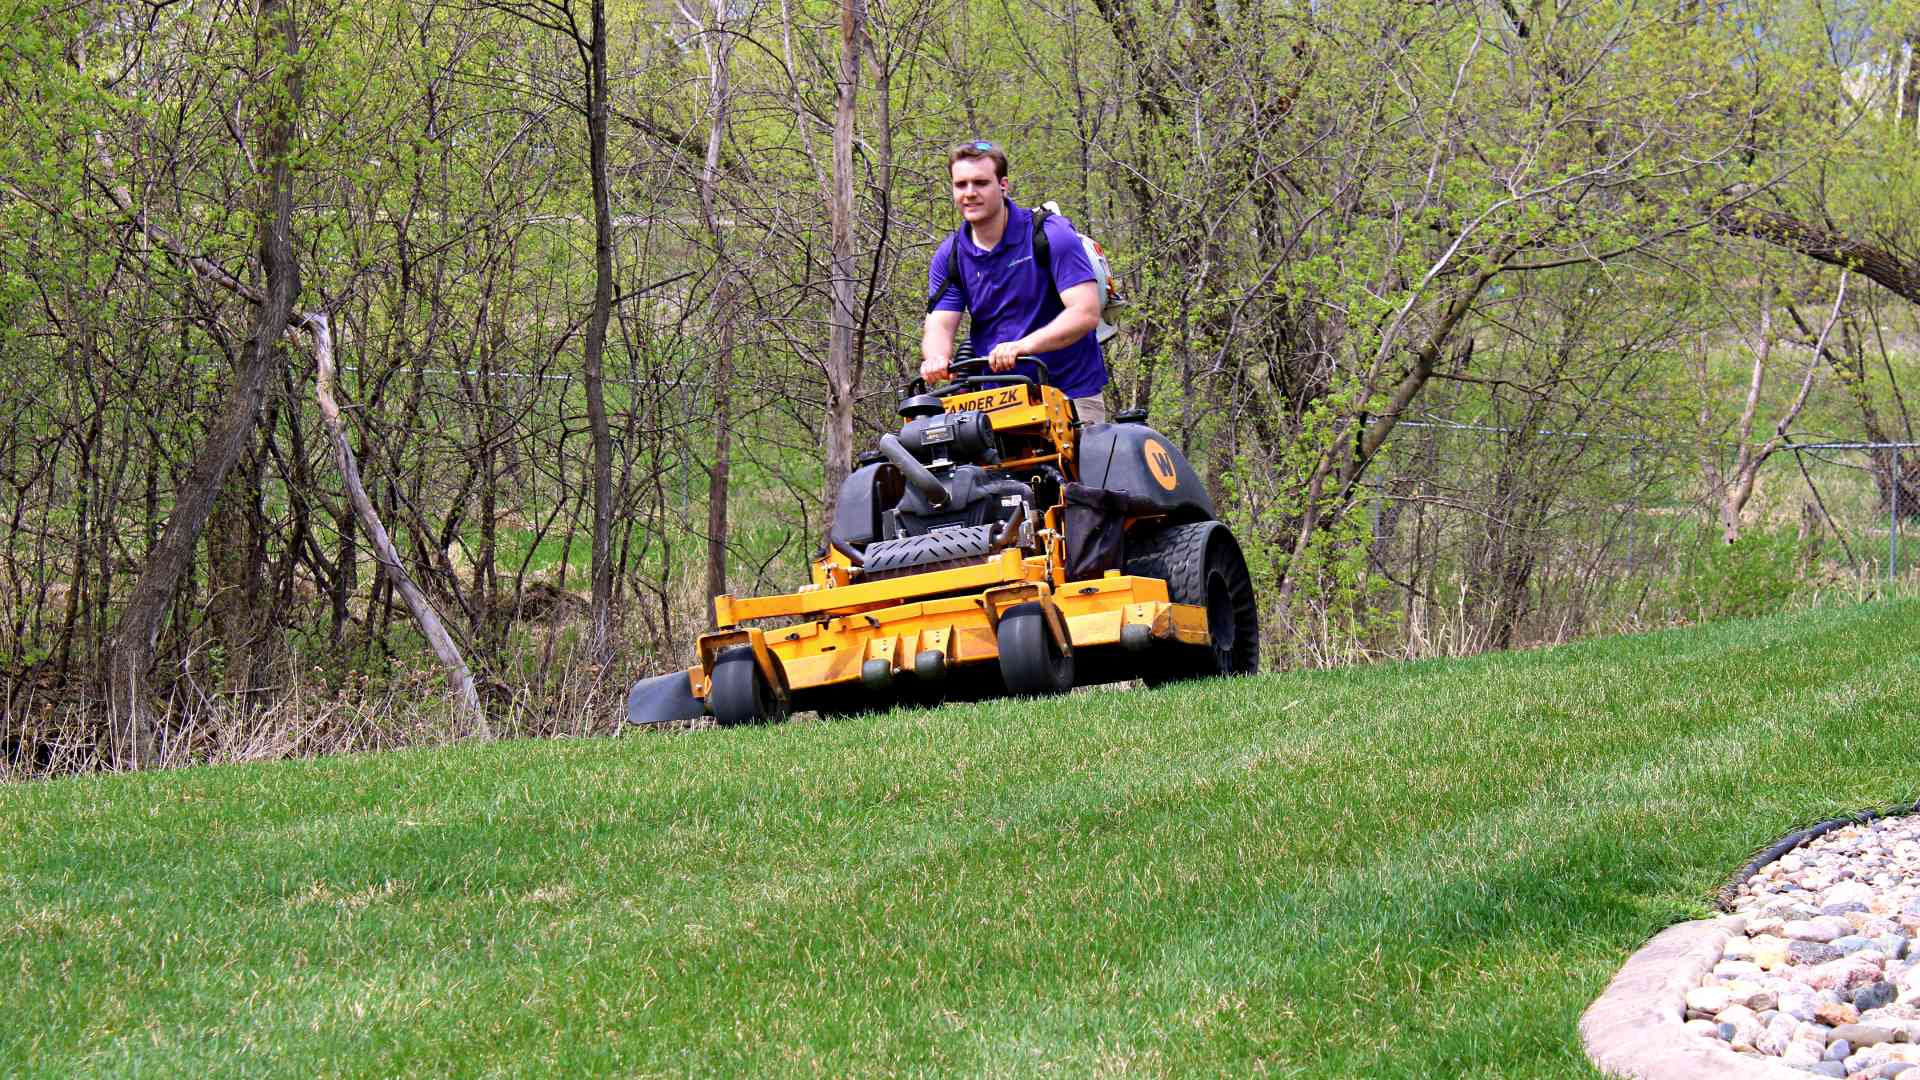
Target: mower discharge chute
{"type": "Point", "coordinates": [993, 546]}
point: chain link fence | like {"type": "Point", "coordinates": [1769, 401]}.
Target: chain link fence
{"type": "Point", "coordinates": [1489, 537]}
{"type": "Point", "coordinates": [1849, 488]}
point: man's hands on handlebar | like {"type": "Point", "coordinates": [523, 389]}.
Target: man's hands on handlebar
{"type": "Point", "coordinates": [1000, 360]}
{"type": "Point", "coordinates": [1004, 354]}
{"type": "Point", "coordinates": [934, 369]}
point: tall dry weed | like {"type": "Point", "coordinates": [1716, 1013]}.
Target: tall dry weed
{"type": "Point", "coordinates": [543, 689]}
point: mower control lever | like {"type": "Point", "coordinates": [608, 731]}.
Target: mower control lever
{"type": "Point", "coordinates": [967, 382]}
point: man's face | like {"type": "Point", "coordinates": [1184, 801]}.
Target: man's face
{"type": "Point", "coordinates": [978, 193]}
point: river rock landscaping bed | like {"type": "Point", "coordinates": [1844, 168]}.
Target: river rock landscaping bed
{"type": "Point", "coordinates": [1826, 976]}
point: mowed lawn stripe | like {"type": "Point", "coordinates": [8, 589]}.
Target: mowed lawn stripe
{"type": "Point", "coordinates": [1503, 859]}
{"type": "Point", "coordinates": [1415, 870]}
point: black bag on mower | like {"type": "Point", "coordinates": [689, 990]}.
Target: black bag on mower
{"type": "Point", "coordinates": [1096, 528]}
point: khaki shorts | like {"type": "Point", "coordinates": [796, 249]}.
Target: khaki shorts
{"type": "Point", "coordinates": [1092, 410]}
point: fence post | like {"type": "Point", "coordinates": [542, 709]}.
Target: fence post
{"type": "Point", "coordinates": [1893, 526]}
{"type": "Point", "coordinates": [1633, 484]}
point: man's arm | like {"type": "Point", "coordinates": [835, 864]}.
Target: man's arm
{"type": "Point", "coordinates": [936, 343]}
{"type": "Point", "coordinates": [1075, 321]}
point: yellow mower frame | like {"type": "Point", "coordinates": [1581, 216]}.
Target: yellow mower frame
{"type": "Point", "coordinates": [843, 643]}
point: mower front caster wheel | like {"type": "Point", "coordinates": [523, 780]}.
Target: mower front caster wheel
{"type": "Point", "coordinates": [1031, 662]}
{"type": "Point", "coordinates": [740, 694]}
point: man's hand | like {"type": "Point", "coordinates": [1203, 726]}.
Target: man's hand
{"type": "Point", "coordinates": [1004, 355]}
{"type": "Point", "coordinates": [936, 345]}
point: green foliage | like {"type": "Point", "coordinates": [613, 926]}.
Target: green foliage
{"type": "Point", "coordinates": [1300, 195]}
{"type": "Point", "coordinates": [1760, 574]}
{"type": "Point", "coordinates": [1344, 873]}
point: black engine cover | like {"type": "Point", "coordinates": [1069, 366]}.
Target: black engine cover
{"type": "Point", "coordinates": [977, 498]}
{"type": "Point", "coordinates": [955, 436]}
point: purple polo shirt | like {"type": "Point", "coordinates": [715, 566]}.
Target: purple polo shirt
{"type": "Point", "coordinates": [1009, 298]}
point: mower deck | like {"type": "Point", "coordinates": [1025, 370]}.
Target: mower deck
{"type": "Point", "coordinates": [923, 626]}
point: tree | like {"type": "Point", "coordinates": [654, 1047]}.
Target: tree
{"type": "Point", "coordinates": [1736, 489]}
{"type": "Point", "coordinates": [716, 44]}
{"type": "Point", "coordinates": [590, 47]}
{"type": "Point", "coordinates": [1389, 164]}
{"type": "Point", "coordinates": [129, 654]}
{"type": "Point", "coordinates": [843, 361]}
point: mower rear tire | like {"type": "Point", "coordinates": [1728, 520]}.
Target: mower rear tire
{"type": "Point", "coordinates": [1031, 662]}
{"type": "Point", "coordinates": [1202, 565]}
{"type": "Point", "coordinates": [740, 694]}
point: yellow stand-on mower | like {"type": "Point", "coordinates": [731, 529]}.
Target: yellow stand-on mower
{"type": "Point", "coordinates": [994, 546]}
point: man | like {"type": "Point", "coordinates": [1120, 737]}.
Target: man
{"type": "Point", "coordinates": [1019, 307]}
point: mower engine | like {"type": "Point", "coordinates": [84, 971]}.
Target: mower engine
{"type": "Point", "coordinates": [952, 510]}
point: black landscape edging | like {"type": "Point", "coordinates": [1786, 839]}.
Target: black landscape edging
{"type": "Point", "coordinates": [1724, 900]}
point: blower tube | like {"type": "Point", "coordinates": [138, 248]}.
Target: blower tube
{"type": "Point", "coordinates": [858, 560]}
{"type": "Point", "coordinates": [922, 479]}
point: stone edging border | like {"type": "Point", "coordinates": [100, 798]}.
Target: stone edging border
{"type": "Point", "coordinates": [1637, 1029]}
{"type": "Point", "coordinates": [1724, 900]}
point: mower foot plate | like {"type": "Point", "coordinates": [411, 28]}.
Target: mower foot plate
{"type": "Point", "coordinates": [664, 699]}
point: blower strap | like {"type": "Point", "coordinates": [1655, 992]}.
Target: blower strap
{"type": "Point", "coordinates": [1042, 254]}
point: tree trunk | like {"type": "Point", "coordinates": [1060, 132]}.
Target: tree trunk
{"type": "Point", "coordinates": [1910, 86]}
{"type": "Point", "coordinates": [600, 640]}
{"type": "Point", "coordinates": [1745, 469]}
{"type": "Point", "coordinates": [1748, 459]}
{"type": "Point", "coordinates": [841, 389]}
{"type": "Point", "coordinates": [720, 470]}
{"type": "Point", "coordinates": [346, 579]}
{"type": "Point", "coordinates": [459, 679]}
{"type": "Point", "coordinates": [491, 627]}
{"type": "Point", "coordinates": [1886, 268]}
{"type": "Point", "coordinates": [236, 569]}
{"type": "Point", "coordinates": [134, 725]}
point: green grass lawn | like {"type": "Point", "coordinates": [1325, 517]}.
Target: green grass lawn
{"type": "Point", "coordinates": [1423, 870]}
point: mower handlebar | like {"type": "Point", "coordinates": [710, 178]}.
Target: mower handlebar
{"type": "Point", "coordinates": [973, 372]}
